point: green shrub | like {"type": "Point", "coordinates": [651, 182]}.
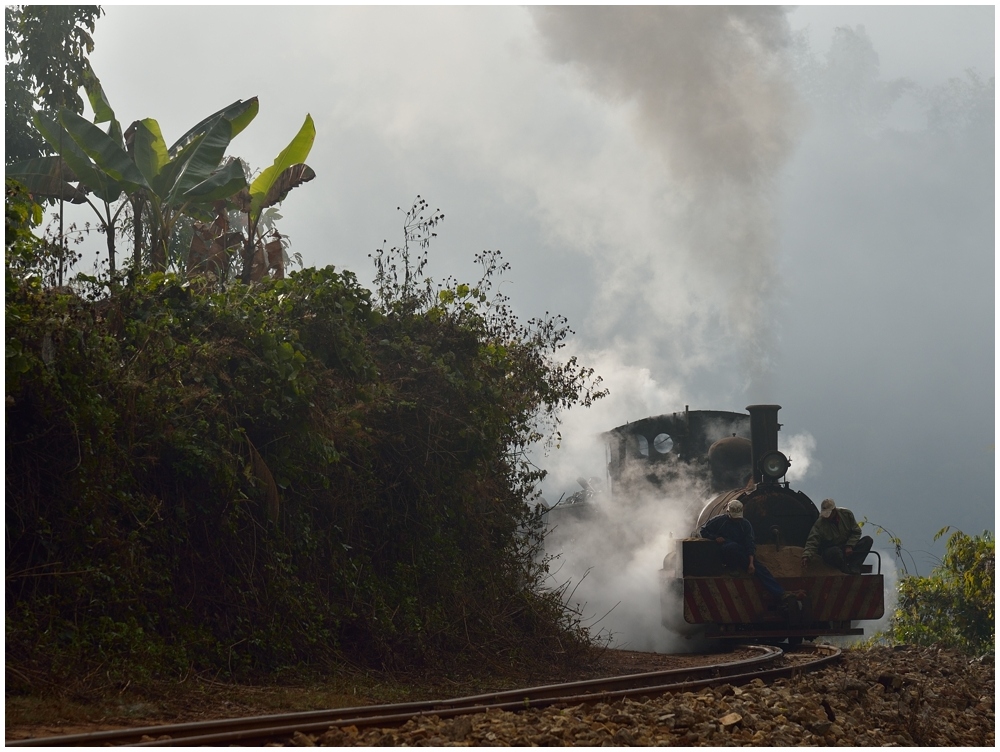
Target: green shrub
{"type": "Point", "coordinates": [954, 606]}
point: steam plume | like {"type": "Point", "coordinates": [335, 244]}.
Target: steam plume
{"type": "Point", "coordinates": [710, 96]}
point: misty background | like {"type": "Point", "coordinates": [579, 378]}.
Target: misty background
{"type": "Point", "coordinates": [731, 206]}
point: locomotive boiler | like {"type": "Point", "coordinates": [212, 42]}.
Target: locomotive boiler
{"type": "Point", "coordinates": [735, 456]}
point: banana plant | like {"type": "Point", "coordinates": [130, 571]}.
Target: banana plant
{"type": "Point", "coordinates": [188, 176]}
{"type": "Point", "coordinates": [194, 177]}
{"type": "Point", "coordinates": [269, 188]}
{"type": "Point", "coordinates": [151, 156]}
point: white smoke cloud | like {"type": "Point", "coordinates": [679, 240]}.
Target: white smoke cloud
{"type": "Point", "coordinates": [611, 558]}
{"type": "Point", "coordinates": [709, 93]}
{"type": "Point", "coordinates": [800, 449]}
{"type": "Point", "coordinates": [610, 561]}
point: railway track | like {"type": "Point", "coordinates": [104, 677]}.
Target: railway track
{"type": "Point", "coordinates": [768, 663]}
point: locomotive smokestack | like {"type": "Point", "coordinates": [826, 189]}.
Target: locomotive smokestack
{"type": "Point", "coordinates": [764, 427]}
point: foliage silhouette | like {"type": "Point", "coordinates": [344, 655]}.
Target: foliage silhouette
{"type": "Point", "coordinates": [46, 50]}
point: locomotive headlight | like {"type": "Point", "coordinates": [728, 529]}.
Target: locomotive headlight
{"type": "Point", "coordinates": [774, 465]}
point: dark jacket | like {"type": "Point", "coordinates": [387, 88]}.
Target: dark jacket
{"type": "Point", "coordinates": [825, 533]}
{"type": "Point", "coordinates": [738, 531]}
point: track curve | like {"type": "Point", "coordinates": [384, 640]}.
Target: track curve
{"type": "Point", "coordinates": [261, 729]}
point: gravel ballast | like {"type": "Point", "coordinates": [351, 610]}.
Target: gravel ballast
{"type": "Point", "coordinates": [902, 696]}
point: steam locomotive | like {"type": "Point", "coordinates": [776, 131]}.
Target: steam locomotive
{"type": "Point", "coordinates": [733, 456]}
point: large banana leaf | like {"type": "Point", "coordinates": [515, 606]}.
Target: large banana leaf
{"type": "Point", "coordinates": [170, 172]}
{"type": "Point", "coordinates": [115, 131]}
{"type": "Point", "coordinates": [98, 100]}
{"type": "Point", "coordinates": [103, 185]}
{"type": "Point", "coordinates": [222, 183]}
{"type": "Point", "coordinates": [293, 154]}
{"type": "Point", "coordinates": [108, 155]}
{"type": "Point", "coordinates": [149, 150]}
{"type": "Point", "coordinates": [239, 114]}
{"type": "Point", "coordinates": [101, 106]}
{"type": "Point", "coordinates": [202, 159]}
{"type": "Point", "coordinates": [50, 177]}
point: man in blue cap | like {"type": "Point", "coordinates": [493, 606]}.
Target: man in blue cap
{"type": "Point", "coordinates": [734, 534]}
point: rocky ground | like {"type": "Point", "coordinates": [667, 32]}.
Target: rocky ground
{"type": "Point", "coordinates": [903, 696]}
{"type": "Point", "coordinates": [874, 697]}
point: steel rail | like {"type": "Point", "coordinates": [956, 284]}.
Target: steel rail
{"type": "Point", "coordinates": [260, 729]}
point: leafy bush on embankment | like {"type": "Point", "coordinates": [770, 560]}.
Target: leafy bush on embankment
{"type": "Point", "coordinates": [265, 476]}
{"type": "Point", "coordinates": [954, 607]}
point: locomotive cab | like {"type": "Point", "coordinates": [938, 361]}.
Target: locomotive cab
{"type": "Point", "coordinates": [658, 450]}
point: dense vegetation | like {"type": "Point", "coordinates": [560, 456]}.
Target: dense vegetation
{"type": "Point", "coordinates": [298, 471]}
{"type": "Point", "coordinates": [955, 605]}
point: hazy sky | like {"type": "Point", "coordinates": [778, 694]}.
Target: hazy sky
{"type": "Point", "coordinates": [731, 206]}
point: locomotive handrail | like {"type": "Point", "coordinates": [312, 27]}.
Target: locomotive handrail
{"type": "Point", "coordinates": [879, 557]}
